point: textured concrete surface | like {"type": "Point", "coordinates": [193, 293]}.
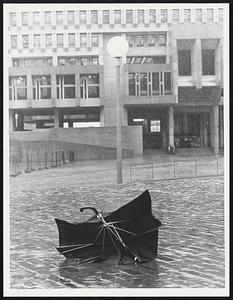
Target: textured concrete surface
{"type": "Point", "coordinates": [191, 240]}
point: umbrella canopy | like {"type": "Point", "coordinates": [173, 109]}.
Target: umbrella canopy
{"type": "Point", "coordinates": [131, 231]}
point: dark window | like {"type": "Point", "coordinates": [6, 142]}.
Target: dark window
{"type": "Point", "coordinates": [208, 62]}
{"type": "Point", "coordinates": [70, 17]}
{"type": "Point", "coordinates": [117, 17]}
{"type": "Point", "coordinates": [65, 86]}
{"type": "Point", "coordinates": [105, 16]}
{"type": "Point", "coordinates": [95, 40]}
{"type": "Point", "coordinates": [15, 62]}
{"type": "Point", "coordinates": [155, 83]}
{"type": "Point", "coordinates": [25, 40]}
{"type": "Point", "coordinates": [167, 83]}
{"type": "Point", "coordinates": [24, 19]}
{"type": "Point", "coordinates": [60, 40]}
{"type": "Point", "coordinates": [132, 84]}
{"type": "Point", "coordinates": [143, 84]}
{"type": "Point", "coordinates": [47, 17]}
{"type": "Point", "coordinates": [48, 40]}
{"type": "Point", "coordinates": [150, 40]}
{"type": "Point", "coordinates": [129, 16]}
{"type": "Point", "coordinates": [152, 16]}
{"type": "Point", "coordinates": [41, 87]}
{"type": "Point", "coordinates": [40, 62]}
{"type": "Point", "coordinates": [18, 88]}
{"type": "Point", "coordinates": [139, 41]}
{"type": "Point", "coordinates": [94, 17]}
{"type": "Point", "coordinates": [187, 15]}
{"type": "Point", "coordinates": [89, 86]}
{"type": "Point", "coordinates": [13, 41]}
{"type": "Point", "coordinates": [164, 15]}
{"type": "Point", "coordinates": [130, 40]}
{"type": "Point", "coordinates": [162, 39]}
{"type": "Point", "coordinates": [184, 62]}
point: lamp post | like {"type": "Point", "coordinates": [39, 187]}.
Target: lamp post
{"type": "Point", "coordinates": [117, 47]}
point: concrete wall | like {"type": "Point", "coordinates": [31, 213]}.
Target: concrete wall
{"type": "Point", "coordinates": [87, 143]}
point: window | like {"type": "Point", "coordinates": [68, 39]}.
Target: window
{"type": "Point", "coordinates": [71, 39]}
{"type": "Point", "coordinates": [187, 15]}
{"type": "Point", "coordinates": [94, 60]}
{"type": "Point", "coordinates": [36, 40]}
{"type": "Point", "coordinates": [17, 87]}
{"type": "Point", "coordinates": [15, 62]}
{"type": "Point", "coordinates": [164, 15]}
{"type": "Point", "coordinates": [167, 83]}
{"type": "Point", "coordinates": [84, 61]}
{"type": "Point", "coordinates": [129, 39]}
{"type": "Point", "coordinates": [41, 87]}
{"type": "Point", "coordinates": [155, 83]}
{"type": "Point", "coordinates": [82, 17]}
{"type": "Point", "coordinates": [210, 15]}
{"type": "Point", "coordinates": [40, 62]}
{"type": "Point", "coordinates": [89, 86]}
{"type": "Point", "coordinates": [198, 15]}
{"type": "Point", "coordinates": [48, 40]}
{"type": "Point", "coordinates": [139, 41]}
{"type": "Point", "coordinates": [25, 41]}
{"type": "Point", "coordinates": [13, 19]}
{"type": "Point", "coordinates": [24, 18]}
{"type": "Point", "coordinates": [159, 59]}
{"type": "Point", "coordinates": [175, 15]}
{"type": "Point", "coordinates": [162, 39]}
{"type": "Point", "coordinates": [152, 16]}
{"type": "Point", "coordinates": [83, 39]}
{"type": "Point", "coordinates": [140, 16]}
{"type": "Point", "coordinates": [149, 84]}
{"type": "Point", "coordinates": [129, 16]}
{"type": "Point", "coordinates": [94, 17]}
{"type": "Point", "coordinates": [72, 61]}
{"type": "Point", "coordinates": [70, 17]}
{"type": "Point", "coordinates": [28, 62]}
{"type": "Point", "coordinates": [208, 62]}
{"type": "Point", "coordinates": [59, 17]}
{"type": "Point", "coordinates": [95, 40]}
{"type": "Point", "coordinates": [105, 16]}
{"type": "Point", "coordinates": [36, 18]}
{"type": "Point", "coordinates": [65, 86]}
{"type": "Point", "coordinates": [220, 15]}
{"type": "Point", "coordinates": [117, 17]}
{"type": "Point", "coordinates": [155, 126]}
{"type": "Point", "coordinates": [48, 61]}
{"type": "Point", "coordinates": [62, 61]}
{"type": "Point", "coordinates": [184, 62]}
{"type": "Point", "coordinates": [47, 18]}
{"type": "Point", "coordinates": [150, 41]}
{"type": "Point", "coordinates": [60, 40]}
{"type": "Point", "coordinates": [13, 41]}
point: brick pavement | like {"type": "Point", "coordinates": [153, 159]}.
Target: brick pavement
{"type": "Point", "coordinates": [191, 240]}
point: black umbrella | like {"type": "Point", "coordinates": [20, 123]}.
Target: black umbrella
{"type": "Point", "coordinates": [130, 231]}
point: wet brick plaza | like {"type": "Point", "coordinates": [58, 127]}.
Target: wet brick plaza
{"type": "Point", "coordinates": [191, 239]}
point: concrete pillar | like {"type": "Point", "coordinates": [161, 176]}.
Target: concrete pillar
{"type": "Point", "coordinates": [175, 68]}
{"type": "Point", "coordinates": [214, 128]}
{"type": "Point", "coordinates": [185, 123]}
{"type": "Point", "coordinates": [53, 86]}
{"type": "Point", "coordinates": [219, 63]}
{"type": "Point", "coordinates": [205, 131]}
{"type": "Point", "coordinates": [11, 121]}
{"type": "Point", "coordinates": [171, 126]}
{"type": "Point", "coordinates": [56, 118]}
{"type": "Point", "coordinates": [197, 63]}
{"type": "Point", "coordinates": [164, 134]}
{"type": "Point", "coordinates": [29, 87]}
{"type": "Point", "coordinates": [221, 127]}
{"type": "Point", "coordinates": [201, 131]}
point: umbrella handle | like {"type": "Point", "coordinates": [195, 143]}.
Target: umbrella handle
{"type": "Point", "coordinates": [88, 207]}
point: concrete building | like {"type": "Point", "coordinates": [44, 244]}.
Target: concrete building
{"type": "Point", "coordinates": [61, 77]}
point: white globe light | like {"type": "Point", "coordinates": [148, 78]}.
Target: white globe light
{"type": "Point", "coordinates": [117, 46]}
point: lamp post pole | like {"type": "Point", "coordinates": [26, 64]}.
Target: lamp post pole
{"type": "Point", "coordinates": [118, 122]}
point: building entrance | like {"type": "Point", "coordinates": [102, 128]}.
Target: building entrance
{"type": "Point", "coordinates": [152, 121]}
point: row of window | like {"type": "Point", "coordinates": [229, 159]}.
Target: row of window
{"type": "Point", "coordinates": [150, 83]}
{"type": "Point", "coordinates": [41, 84]}
{"type": "Point", "coordinates": [185, 62]}
{"type": "Point", "coordinates": [146, 40]}
{"type": "Point", "coordinates": [48, 61]}
{"type": "Point", "coordinates": [48, 40]}
{"type": "Point", "coordinates": [83, 18]}
{"type": "Point", "coordinates": [158, 59]}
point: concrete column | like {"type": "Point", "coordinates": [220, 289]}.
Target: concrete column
{"type": "Point", "coordinates": [124, 116]}
{"type": "Point", "coordinates": [56, 118]}
{"type": "Point", "coordinates": [53, 86]}
{"type": "Point", "coordinates": [175, 68]}
{"type": "Point", "coordinates": [219, 63]}
{"type": "Point", "coordinates": [205, 131]}
{"type": "Point", "coordinates": [221, 127]}
{"type": "Point", "coordinates": [171, 126]}
{"type": "Point", "coordinates": [11, 121]}
{"type": "Point", "coordinates": [185, 124]}
{"type": "Point", "coordinates": [201, 131]}
{"type": "Point", "coordinates": [197, 63]}
{"type": "Point", "coordinates": [164, 134]}
{"type": "Point", "coordinates": [101, 116]}
{"type": "Point", "coordinates": [29, 87]}
{"type": "Point", "coordinates": [214, 128]}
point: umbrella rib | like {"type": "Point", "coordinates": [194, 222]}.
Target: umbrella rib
{"type": "Point", "coordinates": [124, 230]}
{"type": "Point", "coordinates": [77, 248]}
{"type": "Point", "coordinates": [114, 244]}
{"type": "Point", "coordinates": [103, 242]}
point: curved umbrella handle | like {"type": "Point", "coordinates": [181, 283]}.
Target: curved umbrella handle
{"type": "Point", "coordinates": [89, 207]}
